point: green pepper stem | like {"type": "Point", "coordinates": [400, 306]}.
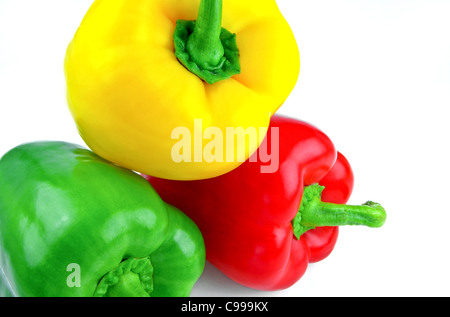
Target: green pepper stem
{"type": "Point", "coordinates": [314, 212]}
{"type": "Point", "coordinates": [132, 278]}
{"type": "Point", "coordinates": [204, 45]}
{"type": "Point", "coordinates": [129, 285]}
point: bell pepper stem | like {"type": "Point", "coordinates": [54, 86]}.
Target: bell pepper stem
{"type": "Point", "coordinates": [132, 278]}
{"type": "Point", "coordinates": [204, 44]}
{"type": "Point", "coordinates": [204, 47]}
{"type": "Point", "coordinates": [129, 285]}
{"type": "Point", "coordinates": [314, 212]}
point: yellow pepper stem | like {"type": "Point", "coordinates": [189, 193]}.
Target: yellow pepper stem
{"type": "Point", "coordinates": [204, 47]}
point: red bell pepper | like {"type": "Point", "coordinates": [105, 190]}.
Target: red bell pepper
{"type": "Point", "coordinates": [262, 229]}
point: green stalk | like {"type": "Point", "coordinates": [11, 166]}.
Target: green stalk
{"type": "Point", "coordinates": [314, 212]}
{"type": "Point", "coordinates": [204, 47]}
{"type": "Point", "coordinates": [129, 285]}
{"type": "Point", "coordinates": [132, 278]}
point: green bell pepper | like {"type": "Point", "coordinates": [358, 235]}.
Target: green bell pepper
{"type": "Point", "coordinates": [73, 224]}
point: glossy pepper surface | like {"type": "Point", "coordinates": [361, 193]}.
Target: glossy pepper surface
{"type": "Point", "coordinates": [262, 229]}
{"type": "Point", "coordinates": [138, 69]}
{"type": "Point", "coordinates": [64, 211]}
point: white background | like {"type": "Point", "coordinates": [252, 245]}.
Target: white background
{"type": "Point", "coordinates": [375, 77]}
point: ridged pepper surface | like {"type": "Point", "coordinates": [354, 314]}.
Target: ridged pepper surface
{"type": "Point", "coordinates": [73, 224]}
{"type": "Point", "coordinates": [138, 69]}
{"type": "Point", "coordinates": [262, 229]}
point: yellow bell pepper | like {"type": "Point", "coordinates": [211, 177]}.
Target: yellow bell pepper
{"type": "Point", "coordinates": [129, 90]}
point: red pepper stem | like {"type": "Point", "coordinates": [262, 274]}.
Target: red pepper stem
{"type": "Point", "coordinates": [314, 212]}
{"type": "Point", "coordinates": [321, 214]}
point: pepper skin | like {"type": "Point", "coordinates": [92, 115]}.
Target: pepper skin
{"type": "Point", "coordinates": [62, 207]}
{"type": "Point", "coordinates": [262, 229]}
{"type": "Point", "coordinates": [127, 88]}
